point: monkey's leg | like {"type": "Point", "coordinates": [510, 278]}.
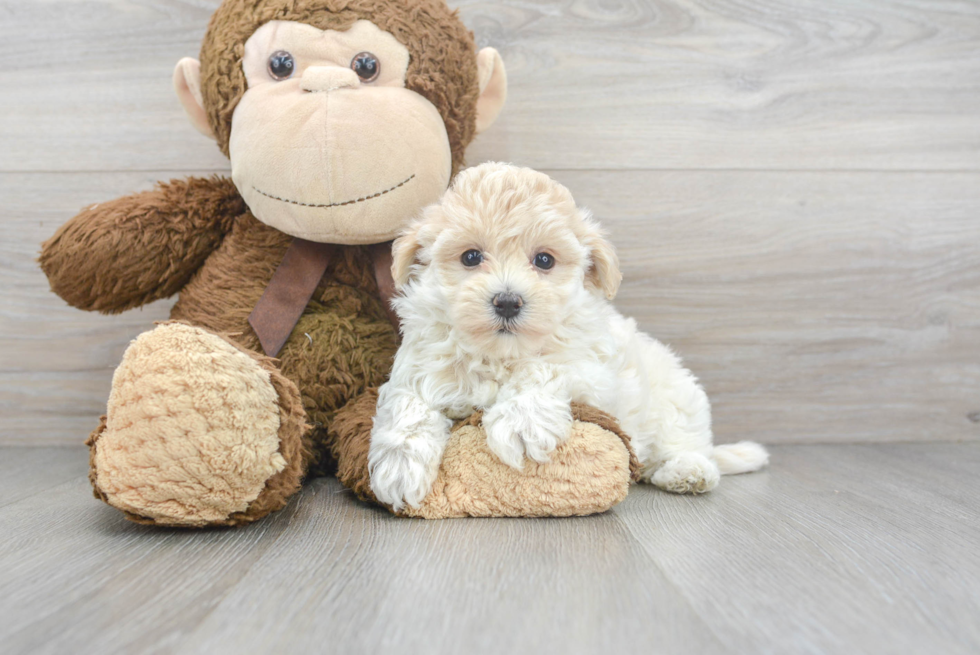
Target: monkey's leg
{"type": "Point", "coordinates": [198, 432]}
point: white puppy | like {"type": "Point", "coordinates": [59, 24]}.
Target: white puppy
{"type": "Point", "coordinates": [505, 288]}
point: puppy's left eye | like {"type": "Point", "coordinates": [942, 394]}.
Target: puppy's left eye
{"type": "Point", "coordinates": [544, 261]}
{"type": "Point", "coordinates": [472, 258]}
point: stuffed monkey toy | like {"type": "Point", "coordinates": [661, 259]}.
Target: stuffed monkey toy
{"type": "Point", "coordinates": [341, 119]}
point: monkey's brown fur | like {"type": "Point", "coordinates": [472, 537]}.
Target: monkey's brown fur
{"type": "Point", "coordinates": [197, 238]}
{"type": "Point", "coordinates": [351, 342]}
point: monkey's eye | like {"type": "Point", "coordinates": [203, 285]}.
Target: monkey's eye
{"type": "Point", "coordinates": [544, 261]}
{"type": "Point", "coordinates": [366, 66]}
{"type": "Point", "coordinates": [471, 258]}
{"type": "Point", "coordinates": [281, 65]}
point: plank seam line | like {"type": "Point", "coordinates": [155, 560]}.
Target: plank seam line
{"type": "Point", "coordinates": [709, 624]}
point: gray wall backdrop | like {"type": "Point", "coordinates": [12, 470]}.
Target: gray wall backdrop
{"type": "Point", "coordinates": [794, 188]}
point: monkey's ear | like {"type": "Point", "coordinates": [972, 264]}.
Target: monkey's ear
{"type": "Point", "coordinates": [493, 87]}
{"type": "Point", "coordinates": [187, 83]}
{"type": "Point", "coordinates": [604, 273]}
{"type": "Point", "coordinates": [403, 252]}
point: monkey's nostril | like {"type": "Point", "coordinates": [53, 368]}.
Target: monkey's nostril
{"type": "Point", "coordinates": [507, 304]}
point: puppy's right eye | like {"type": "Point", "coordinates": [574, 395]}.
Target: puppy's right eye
{"type": "Point", "coordinates": [472, 258]}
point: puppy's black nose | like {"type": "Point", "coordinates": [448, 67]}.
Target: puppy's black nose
{"type": "Point", "coordinates": [507, 304]}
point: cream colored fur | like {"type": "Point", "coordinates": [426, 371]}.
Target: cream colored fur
{"type": "Point", "coordinates": [568, 343]}
{"type": "Point", "coordinates": [589, 474]}
{"type": "Point", "coordinates": [192, 428]}
{"type": "Point", "coordinates": [493, 88]}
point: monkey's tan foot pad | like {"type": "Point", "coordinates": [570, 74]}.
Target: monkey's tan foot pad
{"type": "Point", "coordinates": [588, 474]}
{"type": "Point", "coordinates": [198, 432]}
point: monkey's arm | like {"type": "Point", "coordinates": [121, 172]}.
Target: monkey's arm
{"type": "Point", "coordinates": [136, 249]}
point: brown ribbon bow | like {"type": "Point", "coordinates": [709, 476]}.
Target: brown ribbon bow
{"type": "Point", "coordinates": [292, 285]}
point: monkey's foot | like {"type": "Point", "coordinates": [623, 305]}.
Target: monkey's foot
{"type": "Point", "coordinates": [198, 432]}
{"type": "Point", "coordinates": [589, 473]}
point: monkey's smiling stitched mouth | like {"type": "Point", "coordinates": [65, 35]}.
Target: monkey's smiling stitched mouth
{"type": "Point", "coordinates": [335, 204]}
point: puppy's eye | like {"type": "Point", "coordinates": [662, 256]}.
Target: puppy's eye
{"type": "Point", "coordinates": [281, 65]}
{"type": "Point", "coordinates": [366, 66]}
{"type": "Point", "coordinates": [544, 261]}
{"type": "Point", "coordinates": [472, 258]}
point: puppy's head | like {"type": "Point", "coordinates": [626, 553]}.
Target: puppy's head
{"type": "Point", "coordinates": [508, 255]}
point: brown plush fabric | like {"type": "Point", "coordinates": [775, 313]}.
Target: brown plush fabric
{"type": "Point", "coordinates": [294, 445]}
{"type": "Point", "coordinates": [587, 474]}
{"type": "Point", "coordinates": [198, 463]}
{"type": "Point", "coordinates": [341, 345]}
{"type": "Point", "coordinates": [92, 442]}
{"type": "Point", "coordinates": [442, 67]}
{"type": "Point", "coordinates": [594, 415]}
{"type": "Point", "coordinates": [98, 260]}
{"type": "Point", "coordinates": [590, 473]}
{"type": "Point", "coordinates": [349, 448]}
{"type": "Point", "coordinates": [289, 292]}
{"type": "Point", "coordinates": [342, 349]}
{"type": "Point", "coordinates": [197, 238]}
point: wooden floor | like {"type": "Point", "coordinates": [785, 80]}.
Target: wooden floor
{"type": "Point", "coordinates": [834, 549]}
{"type": "Point", "coordinates": [794, 188]}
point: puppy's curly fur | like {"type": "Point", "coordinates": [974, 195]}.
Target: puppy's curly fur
{"type": "Point", "coordinates": [505, 289]}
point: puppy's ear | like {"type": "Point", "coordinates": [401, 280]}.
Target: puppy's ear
{"type": "Point", "coordinates": [604, 273]}
{"type": "Point", "coordinates": [403, 252]}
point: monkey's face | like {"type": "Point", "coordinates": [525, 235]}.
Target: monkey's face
{"type": "Point", "coordinates": [327, 144]}
{"type": "Point", "coordinates": [338, 130]}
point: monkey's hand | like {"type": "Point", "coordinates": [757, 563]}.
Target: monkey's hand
{"type": "Point", "coordinates": [139, 248]}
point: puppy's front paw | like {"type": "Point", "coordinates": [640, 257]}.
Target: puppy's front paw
{"type": "Point", "coordinates": [403, 473]}
{"type": "Point", "coordinates": [504, 439]}
{"type": "Point", "coordinates": [525, 425]}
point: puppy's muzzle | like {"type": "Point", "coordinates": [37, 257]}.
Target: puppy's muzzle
{"type": "Point", "coordinates": [507, 304]}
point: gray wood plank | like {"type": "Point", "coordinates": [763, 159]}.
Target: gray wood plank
{"type": "Point", "coordinates": [77, 577]}
{"type": "Point", "coordinates": [33, 470]}
{"type": "Point", "coordinates": [56, 362]}
{"type": "Point", "coordinates": [865, 549]}
{"type": "Point", "coordinates": [88, 85]}
{"type": "Point", "coordinates": [814, 306]}
{"type": "Point", "coordinates": [523, 586]}
{"type": "Point", "coordinates": [328, 570]}
{"type": "Point", "coordinates": [835, 548]}
{"type": "Point", "coordinates": [839, 84]}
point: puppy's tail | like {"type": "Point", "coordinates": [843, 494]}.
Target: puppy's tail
{"type": "Point", "coordinates": [741, 457]}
